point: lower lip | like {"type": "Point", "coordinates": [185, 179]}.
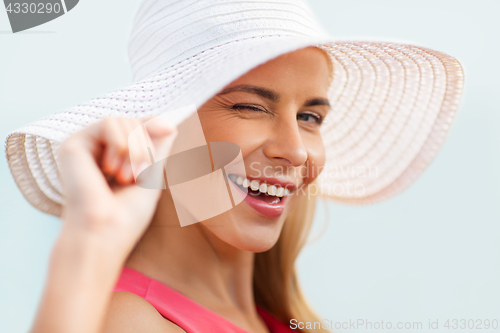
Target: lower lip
{"type": "Point", "coordinates": [265, 209]}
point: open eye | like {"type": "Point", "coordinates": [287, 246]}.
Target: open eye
{"type": "Point", "coordinates": [310, 117]}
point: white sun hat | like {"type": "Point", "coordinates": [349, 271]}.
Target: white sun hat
{"type": "Point", "coordinates": [392, 103]}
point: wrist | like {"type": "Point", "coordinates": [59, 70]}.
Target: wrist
{"type": "Point", "coordinates": [94, 228]}
{"type": "Point", "coordinates": [83, 270]}
{"type": "Point", "coordinates": [90, 244]}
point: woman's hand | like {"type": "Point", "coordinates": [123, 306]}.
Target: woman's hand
{"type": "Point", "coordinates": [104, 215]}
{"type": "Point", "coordinates": [102, 198]}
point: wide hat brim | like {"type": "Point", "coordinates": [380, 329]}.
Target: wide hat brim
{"type": "Point", "coordinates": [392, 106]}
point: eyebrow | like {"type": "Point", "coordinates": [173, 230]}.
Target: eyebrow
{"type": "Point", "coordinates": [271, 95]}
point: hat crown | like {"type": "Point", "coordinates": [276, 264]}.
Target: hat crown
{"type": "Point", "coordinates": [168, 31]}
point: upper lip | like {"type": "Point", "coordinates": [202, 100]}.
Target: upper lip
{"type": "Point", "coordinates": [274, 181]}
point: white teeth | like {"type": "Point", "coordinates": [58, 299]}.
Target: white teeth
{"type": "Point", "coordinates": [255, 185]}
{"type": "Point", "coordinates": [271, 190]}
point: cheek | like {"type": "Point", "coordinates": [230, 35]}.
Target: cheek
{"type": "Point", "coordinates": [246, 134]}
{"type": "Point", "coordinates": [316, 159]}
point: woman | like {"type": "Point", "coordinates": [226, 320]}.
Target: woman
{"type": "Point", "coordinates": [233, 272]}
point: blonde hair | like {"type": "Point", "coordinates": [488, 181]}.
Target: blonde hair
{"type": "Point", "coordinates": [276, 287]}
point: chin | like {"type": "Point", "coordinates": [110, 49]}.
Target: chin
{"type": "Point", "coordinates": [246, 232]}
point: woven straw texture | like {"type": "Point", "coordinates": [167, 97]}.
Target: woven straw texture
{"type": "Point", "coordinates": [392, 104]}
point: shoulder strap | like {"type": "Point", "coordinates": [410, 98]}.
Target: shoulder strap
{"type": "Point", "coordinates": [174, 306]}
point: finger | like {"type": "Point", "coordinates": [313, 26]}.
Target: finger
{"type": "Point", "coordinates": [139, 154]}
{"type": "Point", "coordinates": [114, 140]}
{"type": "Point", "coordinates": [125, 174]}
{"type": "Point", "coordinates": [146, 198]}
{"type": "Point", "coordinates": [159, 126]}
{"type": "Point", "coordinates": [77, 157]}
{"type": "Point", "coordinates": [140, 150]}
{"type": "Point", "coordinates": [161, 135]}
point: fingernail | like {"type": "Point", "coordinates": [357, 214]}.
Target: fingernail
{"type": "Point", "coordinates": [159, 126]}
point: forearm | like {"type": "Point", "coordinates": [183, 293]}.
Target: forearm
{"type": "Point", "coordinates": [82, 273]}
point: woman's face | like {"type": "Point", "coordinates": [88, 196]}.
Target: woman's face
{"type": "Point", "coordinates": [274, 114]}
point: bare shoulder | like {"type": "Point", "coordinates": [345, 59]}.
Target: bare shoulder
{"type": "Point", "coordinates": [129, 313]}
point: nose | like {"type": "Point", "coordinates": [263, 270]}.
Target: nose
{"type": "Point", "coordinates": [285, 145]}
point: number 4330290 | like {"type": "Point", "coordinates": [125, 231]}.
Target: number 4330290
{"type": "Point", "coordinates": [39, 8]}
{"type": "Point", "coordinates": [471, 324]}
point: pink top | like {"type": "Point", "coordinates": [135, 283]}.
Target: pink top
{"type": "Point", "coordinates": [181, 310]}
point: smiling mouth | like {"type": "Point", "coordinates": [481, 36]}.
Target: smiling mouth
{"type": "Point", "coordinates": [269, 194]}
{"type": "Point", "coordinates": [269, 199]}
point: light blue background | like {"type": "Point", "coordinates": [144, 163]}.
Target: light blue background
{"type": "Point", "coordinates": [433, 252]}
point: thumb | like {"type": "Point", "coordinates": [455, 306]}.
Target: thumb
{"type": "Point", "coordinates": [149, 144]}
